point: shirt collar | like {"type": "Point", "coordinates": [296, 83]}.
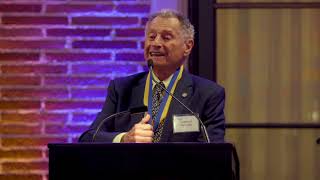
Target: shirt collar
{"type": "Point", "coordinates": [166, 82]}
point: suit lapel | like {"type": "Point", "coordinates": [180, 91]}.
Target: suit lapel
{"type": "Point", "coordinates": [183, 92]}
{"type": "Point", "coordinates": [138, 92]}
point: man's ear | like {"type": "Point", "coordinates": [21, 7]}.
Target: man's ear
{"type": "Point", "coordinates": [189, 45]}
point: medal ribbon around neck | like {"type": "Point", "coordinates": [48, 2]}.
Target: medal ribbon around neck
{"type": "Point", "coordinates": [164, 106]}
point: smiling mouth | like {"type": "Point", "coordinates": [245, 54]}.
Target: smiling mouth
{"type": "Point", "coordinates": [156, 54]}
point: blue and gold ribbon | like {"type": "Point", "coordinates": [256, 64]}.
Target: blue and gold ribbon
{"type": "Point", "coordinates": [165, 104]}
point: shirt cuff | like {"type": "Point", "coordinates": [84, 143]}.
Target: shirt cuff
{"type": "Point", "coordinates": [118, 138]}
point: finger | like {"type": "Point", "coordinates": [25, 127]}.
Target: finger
{"type": "Point", "coordinates": [144, 137]}
{"type": "Point", "coordinates": [140, 139]}
{"type": "Point", "coordinates": [143, 133]}
{"type": "Point", "coordinates": [145, 119]}
{"type": "Point", "coordinates": [148, 127]}
{"type": "Point", "coordinates": [137, 135]}
{"type": "Point", "coordinates": [143, 127]}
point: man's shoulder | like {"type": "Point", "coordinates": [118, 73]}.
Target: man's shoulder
{"type": "Point", "coordinates": [134, 78]}
{"type": "Point", "coordinates": [205, 84]}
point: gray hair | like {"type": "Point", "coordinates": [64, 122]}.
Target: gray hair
{"type": "Point", "coordinates": [186, 26]}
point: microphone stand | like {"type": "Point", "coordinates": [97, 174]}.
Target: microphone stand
{"type": "Point", "coordinates": [104, 120]}
{"type": "Point", "coordinates": [131, 111]}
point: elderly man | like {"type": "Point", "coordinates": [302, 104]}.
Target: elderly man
{"type": "Point", "coordinates": [169, 41]}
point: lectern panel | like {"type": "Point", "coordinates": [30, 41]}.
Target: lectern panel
{"type": "Point", "coordinates": [143, 161]}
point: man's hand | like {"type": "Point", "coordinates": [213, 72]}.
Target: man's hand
{"type": "Point", "coordinates": [141, 132]}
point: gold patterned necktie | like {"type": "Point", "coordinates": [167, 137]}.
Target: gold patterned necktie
{"type": "Point", "coordinates": [157, 96]}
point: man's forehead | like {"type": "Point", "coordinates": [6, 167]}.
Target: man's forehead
{"type": "Point", "coordinates": [165, 19]}
{"type": "Point", "coordinates": [170, 24]}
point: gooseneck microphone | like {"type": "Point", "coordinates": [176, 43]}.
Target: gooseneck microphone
{"type": "Point", "coordinates": [131, 111]}
{"type": "Point", "coordinates": [203, 128]}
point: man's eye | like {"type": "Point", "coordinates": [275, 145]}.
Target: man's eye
{"type": "Point", "coordinates": [167, 37]}
{"type": "Point", "coordinates": [152, 37]}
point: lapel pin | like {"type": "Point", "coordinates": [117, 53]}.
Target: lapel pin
{"type": "Point", "coordinates": [184, 94]}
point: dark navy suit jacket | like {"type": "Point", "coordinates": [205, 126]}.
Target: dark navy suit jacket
{"type": "Point", "coordinates": [203, 97]}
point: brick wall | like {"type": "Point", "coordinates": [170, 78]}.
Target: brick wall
{"type": "Point", "coordinates": [56, 60]}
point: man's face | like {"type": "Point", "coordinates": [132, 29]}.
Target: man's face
{"type": "Point", "coordinates": [165, 44]}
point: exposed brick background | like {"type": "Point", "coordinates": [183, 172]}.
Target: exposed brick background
{"type": "Point", "coordinates": [56, 60]}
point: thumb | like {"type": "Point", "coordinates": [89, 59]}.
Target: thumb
{"type": "Point", "coordinates": [145, 119]}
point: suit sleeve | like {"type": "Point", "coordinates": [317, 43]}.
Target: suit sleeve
{"type": "Point", "coordinates": [106, 132]}
{"type": "Point", "coordinates": [214, 118]}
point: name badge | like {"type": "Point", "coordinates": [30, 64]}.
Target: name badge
{"type": "Point", "coordinates": [185, 123]}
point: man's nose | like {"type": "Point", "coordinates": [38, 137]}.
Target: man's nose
{"type": "Point", "coordinates": [157, 42]}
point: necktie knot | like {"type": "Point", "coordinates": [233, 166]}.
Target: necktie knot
{"type": "Point", "coordinates": [159, 90]}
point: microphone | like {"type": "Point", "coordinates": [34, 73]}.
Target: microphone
{"type": "Point", "coordinates": [203, 128]}
{"type": "Point", "coordinates": [131, 111]}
